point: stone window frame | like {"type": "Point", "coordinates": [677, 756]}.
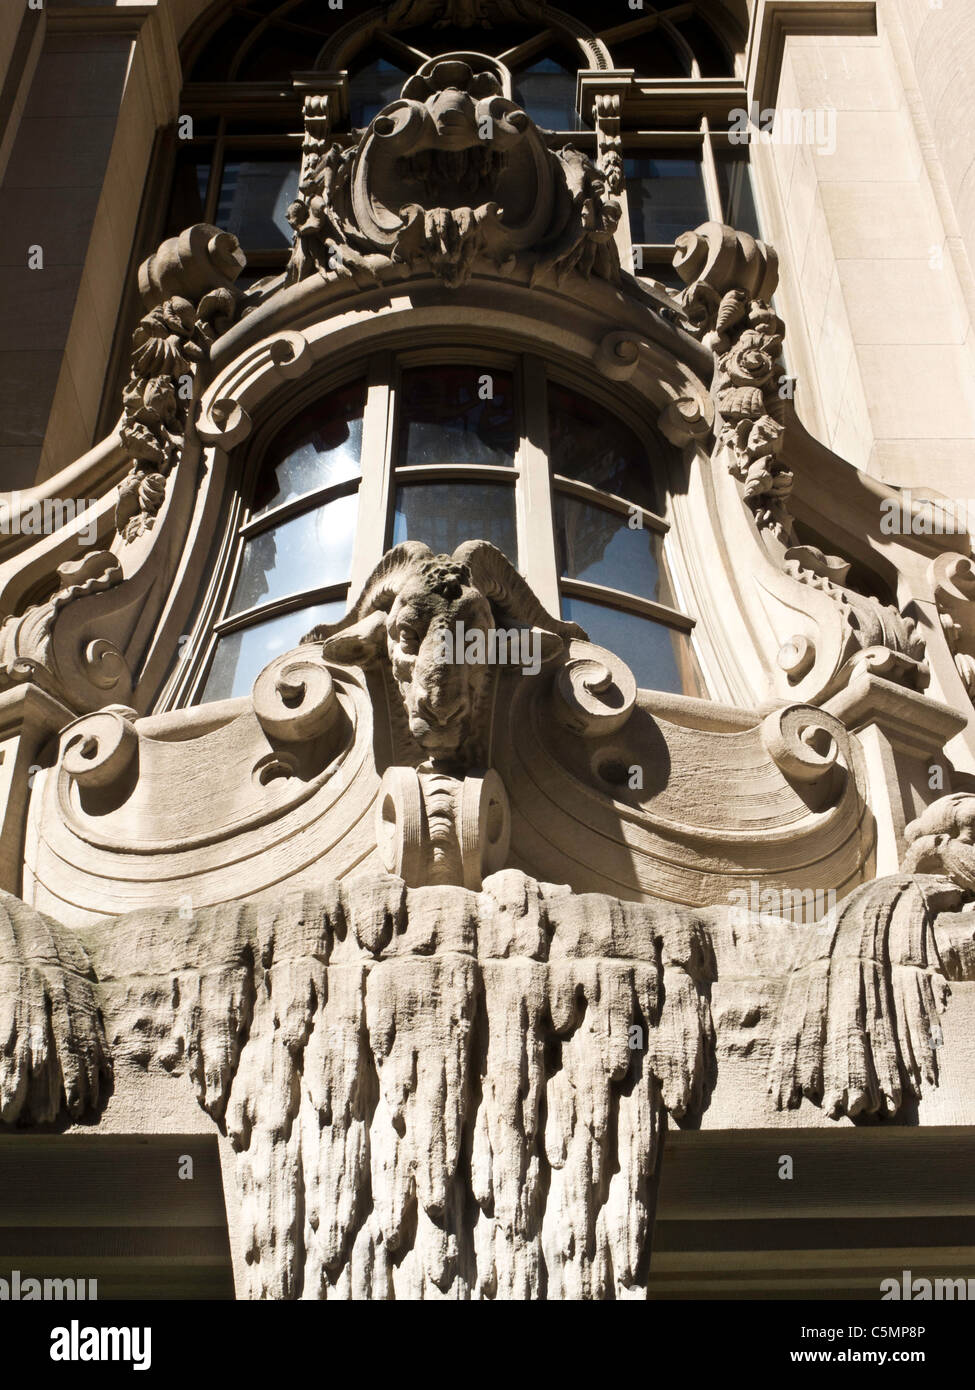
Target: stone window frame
{"type": "Point", "coordinates": [530, 477]}
{"type": "Point", "coordinates": [704, 138]}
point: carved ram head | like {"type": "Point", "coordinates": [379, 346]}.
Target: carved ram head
{"type": "Point", "coordinates": [942, 841]}
{"type": "Point", "coordinates": [420, 611]}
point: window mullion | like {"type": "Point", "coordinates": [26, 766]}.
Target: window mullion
{"type": "Point", "coordinates": [216, 172]}
{"type": "Point", "coordinates": [374, 490]}
{"type": "Point", "coordinates": [536, 531]}
{"type": "Point", "coordinates": [708, 168]}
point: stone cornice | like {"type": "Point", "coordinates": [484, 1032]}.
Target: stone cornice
{"type": "Point", "coordinates": [98, 19]}
{"type": "Point", "coordinates": [775, 20]}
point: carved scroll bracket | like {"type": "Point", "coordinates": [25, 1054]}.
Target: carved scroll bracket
{"type": "Point", "coordinates": [806, 744]}
{"type": "Point", "coordinates": [224, 417]}
{"type": "Point", "coordinates": [594, 692]}
{"type": "Point", "coordinates": [730, 278]}
{"type": "Point", "coordinates": [689, 410]}
{"type": "Point", "coordinates": [435, 828]}
{"type": "Point", "coordinates": [52, 644]}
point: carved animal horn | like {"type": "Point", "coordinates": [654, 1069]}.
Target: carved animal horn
{"type": "Point", "coordinates": [379, 590]}
{"type": "Point", "coordinates": [502, 585]}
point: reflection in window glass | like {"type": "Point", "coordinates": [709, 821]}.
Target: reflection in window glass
{"type": "Point", "coordinates": [456, 415]}
{"type": "Point", "coordinates": [372, 87]}
{"type": "Point", "coordinates": [665, 193]}
{"type": "Point", "coordinates": [660, 657]}
{"type": "Point", "coordinates": [241, 656]}
{"type": "Point", "coordinates": [320, 447]}
{"type": "Point", "coordinates": [255, 194]}
{"type": "Point", "coordinates": [444, 515]}
{"type": "Point", "coordinates": [600, 547]}
{"type": "Point", "coordinates": [547, 91]}
{"type": "Point", "coordinates": [309, 552]}
{"type": "Point", "coordinates": [589, 444]}
{"type": "Point", "coordinates": [737, 198]}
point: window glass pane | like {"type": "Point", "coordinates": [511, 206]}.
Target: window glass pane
{"type": "Point", "coordinates": [308, 552]}
{"type": "Point", "coordinates": [648, 266]}
{"type": "Point", "coordinates": [444, 515]}
{"type": "Point", "coordinates": [653, 54]}
{"type": "Point", "coordinates": [187, 203]}
{"type": "Point", "coordinates": [600, 547]}
{"type": "Point", "coordinates": [737, 198]}
{"type": "Point", "coordinates": [660, 657]}
{"type": "Point", "coordinates": [255, 193]}
{"type": "Point", "coordinates": [441, 37]}
{"type": "Point", "coordinates": [274, 56]}
{"type": "Point", "coordinates": [213, 64]}
{"type": "Point", "coordinates": [444, 418]}
{"type": "Point", "coordinates": [320, 447]}
{"type": "Point", "coordinates": [547, 91]}
{"type": "Point", "coordinates": [666, 196]}
{"type": "Point", "coordinates": [712, 59]}
{"type": "Point", "coordinates": [240, 656]}
{"type": "Point", "coordinates": [373, 86]}
{"type": "Point", "coordinates": [589, 444]}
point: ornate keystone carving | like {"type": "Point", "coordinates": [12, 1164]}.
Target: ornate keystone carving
{"type": "Point", "coordinates": [451, 173]}
{"type": "Point", "coordinates": [464, 14]}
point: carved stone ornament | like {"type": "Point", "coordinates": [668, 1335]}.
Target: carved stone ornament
{"type": "Point", "coordinates": [32, 650]}
{"type": "Point", "coordinates": [447, 728]}
{"type": "Point", "coordinates": [879, 639]}
{"type": "Point", "coordinates": [953, 581]}
{"type": "Point", "coordinates": [436, 1091]}
{"type": "Point", "coordinates": [187, 288]}
{"type": "Point", "coordinates": [730, 279]}
{"type": "Point", "coordinates": [451, 174]}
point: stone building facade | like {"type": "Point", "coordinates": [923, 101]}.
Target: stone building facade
{"type": "Point", "coordinates": [487, 768]}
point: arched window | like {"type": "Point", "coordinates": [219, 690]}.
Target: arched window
{"type": "Point", "coordinates": [246, 66]}
{"type": "Point", "coordinates": [545, 86]}
{"type": "Point", "coordinates": [292, 559]}
{"type": "Point", "coordinates": [609, 542]}
{"type": "Point", "coordinates": [570, 487]}
{"type": "Point", "coordinates": [661, 41]}
{"type": "Point", "coordinates": [374, 82]}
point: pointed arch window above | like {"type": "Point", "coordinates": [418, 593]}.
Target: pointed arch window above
{"type": "Point", "coordinates": [372, 85]}
{"type": "Point", "coordinates": [546, 89]}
